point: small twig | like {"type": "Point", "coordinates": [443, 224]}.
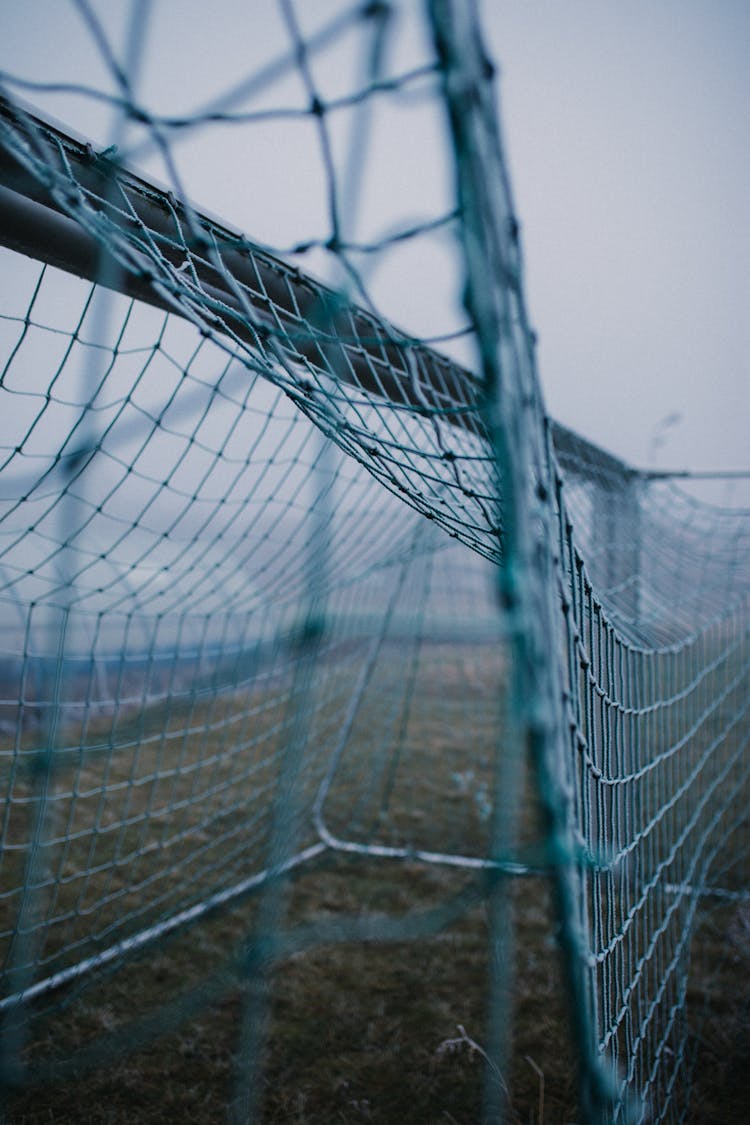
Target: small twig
{"type": "Point", "coordinates": [540, 1075]}
{"type": "Point", "coordinates": [464, 1037]}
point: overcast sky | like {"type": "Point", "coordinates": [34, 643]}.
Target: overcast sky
{"type": "Point", "coordinates": [629, 144]}
{"type": "Point", "coordinates": [627, 133]}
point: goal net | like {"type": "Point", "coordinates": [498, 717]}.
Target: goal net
{"type": "Point", "coordinates": [283, 584]}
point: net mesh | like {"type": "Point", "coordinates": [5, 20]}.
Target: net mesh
{"type": "Point", "coordinates": [280, 580]}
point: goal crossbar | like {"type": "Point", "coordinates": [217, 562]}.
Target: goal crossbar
{"type": "Point", "coordinates": [258, 294]}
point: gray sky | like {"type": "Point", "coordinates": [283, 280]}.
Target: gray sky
{"type": "Point", "coordinates": [628, 144]}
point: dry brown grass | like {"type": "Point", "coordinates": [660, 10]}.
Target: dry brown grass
{"type": "Point", "coordinates": [719, 998]}
{"type": "Point", "coordinates": [359, 1031]}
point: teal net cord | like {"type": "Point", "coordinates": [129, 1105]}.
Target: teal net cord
{"type": "Point", "coordinates": [281, 581]}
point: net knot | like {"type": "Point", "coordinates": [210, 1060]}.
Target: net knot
{"type": "Point", "coordinates": [376, 10]}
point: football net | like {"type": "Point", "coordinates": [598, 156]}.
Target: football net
{"type": "Point", "coordinates": [281, 580]}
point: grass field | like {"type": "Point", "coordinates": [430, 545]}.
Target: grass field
{"type": "Point", "coordinates": [359, 1030]}
{"type": "Point", "coordinates": [374, 1033]}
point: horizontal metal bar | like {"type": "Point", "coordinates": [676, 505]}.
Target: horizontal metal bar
{"type": "Point", "coordinates": [150, 934]}
{"type": "Point", "coordinates": [697, 474]}
{"type": "Point", "coordinates": [581, 457]}
{"type": "Point", "coordinates": [307, 317]}
{"type": "Point", "coordinates": [35, 220]}
{"type": "Point", "coordinates": [38, 231]}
